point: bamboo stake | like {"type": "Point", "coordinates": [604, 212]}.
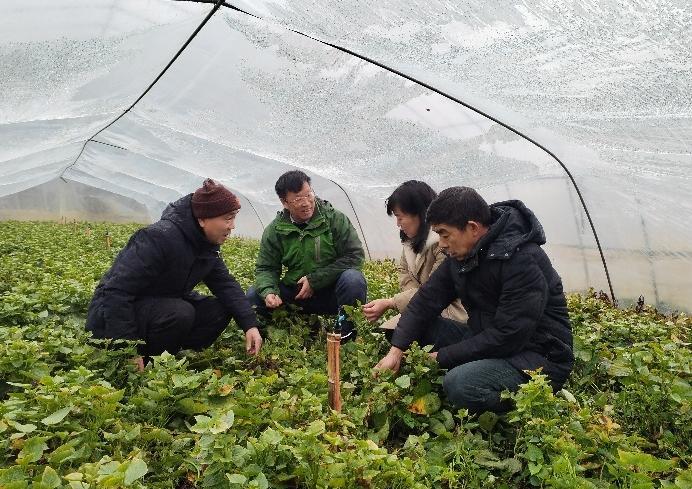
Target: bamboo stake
{"type": "Point", "coordinates": [333, 360]}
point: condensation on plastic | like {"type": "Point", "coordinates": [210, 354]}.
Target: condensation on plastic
{"type": "Point", "coordinates": [295, 107]}
{"type": "Point", "coordinates": [606, 87]}
{"type": "Point", "coordinates": [69, 68]}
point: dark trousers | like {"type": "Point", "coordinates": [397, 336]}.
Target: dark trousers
{"type": "Point", "coordinates": [349, 288]}
{"type": "Point", "coordinates": [476, 385]}
{"type": "Point", "coordinates": [175, 324]}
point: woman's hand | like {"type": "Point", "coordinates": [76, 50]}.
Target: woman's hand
{"type": "Point", "coordinates": [373, 310]}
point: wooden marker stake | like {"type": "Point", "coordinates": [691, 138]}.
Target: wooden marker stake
{"type": "Point", "coordinates": [333, 361]}
{"type": "Point", "coordinates": [109, 241]}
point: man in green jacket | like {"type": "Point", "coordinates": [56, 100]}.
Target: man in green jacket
{"type": "Point", "coordinates": [320, 252]}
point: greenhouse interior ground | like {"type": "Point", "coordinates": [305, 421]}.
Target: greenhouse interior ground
{"type": "Point", "coordinates": [111, 109]}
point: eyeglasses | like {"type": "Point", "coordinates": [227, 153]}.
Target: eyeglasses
{"type": "Point", "coordinates": [302, 198]}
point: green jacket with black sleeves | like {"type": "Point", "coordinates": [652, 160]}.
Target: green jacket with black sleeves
{"type": "Point", "coordinates": [323, 249]}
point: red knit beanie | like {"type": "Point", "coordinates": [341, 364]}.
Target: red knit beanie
{"type": "Point", "coordinates": [212, 200]}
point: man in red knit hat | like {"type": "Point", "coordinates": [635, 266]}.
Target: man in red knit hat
{"type": "Point", "coordinates": [148, 292]}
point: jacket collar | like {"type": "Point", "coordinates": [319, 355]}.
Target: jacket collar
{"type": "Point", "coordinates": [415, 261]}
{"type": "Point", "coordinates": [471, 261]}
{"type": "Point", "coordinates": [180, 214]}
{"type": "Point", "coordinates": [513, 225]}
{"type": "Point", "coordinates": [285, 225]}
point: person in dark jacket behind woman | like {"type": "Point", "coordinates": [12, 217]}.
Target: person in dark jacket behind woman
{"type": "Point", "coordinates": [147, 293]}
{"type": "Point", "coordinates": [517, 310]}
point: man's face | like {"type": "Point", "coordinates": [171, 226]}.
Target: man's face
{"type": "Point", "coordinates": [456, 242]}
{"type": "Point", "coordinates": [301, 205]}
{"type": "Point", "coordinates": [217, 229]}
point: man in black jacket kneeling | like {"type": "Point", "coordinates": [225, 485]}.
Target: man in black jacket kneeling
{"type": "Point", "coordinates": [517, 310]}
{"type": "Point", "coordinates": [148, 292]}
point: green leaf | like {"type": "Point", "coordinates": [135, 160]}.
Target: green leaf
{"type": "Point", "coordinates": [260, 482]}
{"type": "Point", "coordinates": [111, 467]}
{"type": "Point", "coordinates": [236, 478]}
{"type": "Point", "coordinates": [404, 381]}
{"type": "Point", "coordinates": [684, 479]}
{"type": "Point", "coordinates": [23, 428]}
{"type": "Point", "coordinates": [317, 427]}
{"type": "Point", "coordinates": [511, 465]}
{"type": "Point", "coordinates": [50, 478]}
{"type": "Point", "coordinates": [220, 423]}
{"type": "Point", "coordinates": [568, 395]}
{"type": "Point", "coordinates": [136, 468]}
{"type": "Point", "coordinates": [488, 420]}
{"type": "Point", "coordinates": [644, 461]}
{"type": "Point", "coordinates": [448, 419]}
{"type": "Point", "coordinates": [13, 477]}
{"type": "Point", "coordinates": [63, 452]}
{"type": "Point", "coordinates": [189, 406]}
{"type": "Point", "coordinates": [270, 437]}
{"type": "Point", "coordinates": [57, 416]}
{"type": "Point", "coordinates": [32, 450]}
{"type": "Point", "coordinates": [533, 453]}
{"type": "Point", "coordinates": [619, 370]}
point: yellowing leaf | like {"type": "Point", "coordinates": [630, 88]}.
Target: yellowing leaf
{"type": "Point", "coordinates": [427, 404]}
{"type": "Point", "coordinates": [608, 423]}
{"type": "Point", "coordinates": [418, 406]}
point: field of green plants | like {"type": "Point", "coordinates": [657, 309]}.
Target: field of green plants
{"type": "Point", "coordinates": [75, 414]}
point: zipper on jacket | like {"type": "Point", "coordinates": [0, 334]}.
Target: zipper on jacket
{"type": "Point", "coordinates": [318, 241]}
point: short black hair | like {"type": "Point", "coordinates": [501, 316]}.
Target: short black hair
{"type": "Point", "coordinates": [291, 181]}
{"type": "Point", "coordinates": [457, 206]}
{"type": "Point", "coordinates": [413, 197]}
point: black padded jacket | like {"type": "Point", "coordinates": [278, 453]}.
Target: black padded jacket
{"type": "Point", "coordinates": [513, 295]}
{"type": "Point", "coordinates": [166, 259]}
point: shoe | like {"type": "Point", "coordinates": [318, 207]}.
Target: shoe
{"type": "Point", "coordinates": [345, 327]}
{"type": "Point", "coordinates": [350, 336]}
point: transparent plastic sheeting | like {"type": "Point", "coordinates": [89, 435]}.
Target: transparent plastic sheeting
{"type": "Point", "coordinates": [249, 100]}
{"type": "Point", "coordinates": [68, 68]}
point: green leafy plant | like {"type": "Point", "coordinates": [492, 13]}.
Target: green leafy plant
{"type": "Point", "coordinates": [75, 414]}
